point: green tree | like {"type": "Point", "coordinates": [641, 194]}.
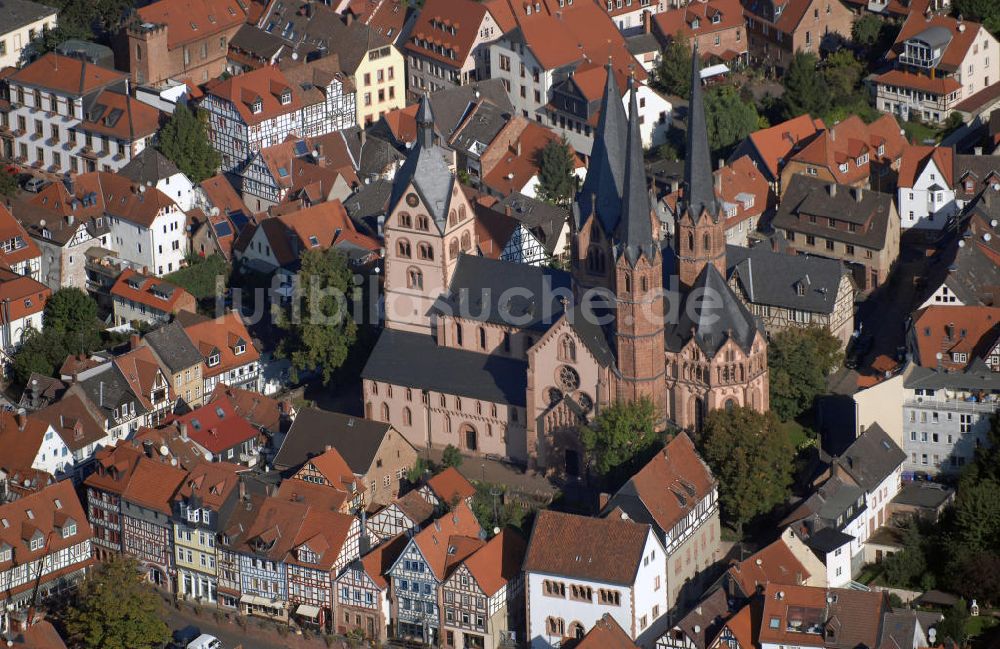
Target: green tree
{"type": "Point", "coordinates": [842, 73]}
{"type": "Point", "coordinates": [493, 509]}
{"type": "Point", "coordinates": [954, 623]}
{"type": "Point", "coordinates": [729, 118]}
{"type": "Point", "coordinates": [673, 74]}
{"type": "Point", "coordinates": [320, 333]}
{"type": "Point", "coordinates": [984, 11]}
{"type": "Point", "coordinates": [805, 88]}
{"type": "Point", "coordinates": [40, 352]}
{"type": "Point", "coordinates": [8, 181]}
{"type": "Point", "coordinates": [556, 182]}
{"type": "Point", "coordinates": [70, 311]}
{"type": "Point", "coordinates": [451, 456]}
{"type": "Point", "coordinates": [977, 516]}
{"type": "Point", "coordinates": [116, 609]}
{"type": "Point", "coordinates": [866, 30]}
{"type": "Point", "coordinates": [619, 437]}
{"type": "Point", "coordinates": [183, 139]}
{"type": "Point", "coordinates": [799, 360]}
{"type": "Point", "coordinates": [752, 458]}
{"type": "Point", "coordinates": [905, 568]}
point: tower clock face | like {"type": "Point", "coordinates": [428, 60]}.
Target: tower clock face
{"type": "Point", "coordinates": [412, 200]}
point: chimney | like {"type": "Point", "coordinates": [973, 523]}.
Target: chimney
{"type": "Point", "coordinates": [832, 189]}
{"type": "Point", "coordinates": [320, 155]}
{"type": "Point", "coordinates": [858, 194]}
{"type": "Point", "coordinates": [243, 490]}
{"type": "Point", "coordinates": [349, 18]}
{"type": "Point", "coordinates": [507, 210]}
{"type": "Point", "coordinates": [22, 420]}
{"type": "Point", "coordinates": [722, 163]}
{"type": "Point", "coordinates": [184, 431]}
{"type": "Point", "coordinates": [602, 500]}
{"type": "Point", "coordinates": [977, 150]}
{"type": "Point", "coordinates": [133, 341]}
{"type": "Point", "coordinates": [147, 447]}
{"type": "Point", "coordinates": [647, 21]}
{"type": "Point", "coordinates": [364, 137]}
{"type": "Point", "coordinates": [328, 447]}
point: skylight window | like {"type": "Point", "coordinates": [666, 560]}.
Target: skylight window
{"type": "Point", "coordinates": [282, 172]}
{"type": "Point", "coordinates": [313, 241]}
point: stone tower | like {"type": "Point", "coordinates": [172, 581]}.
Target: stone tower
{"type": "Point", "coordinates": [700, 232]}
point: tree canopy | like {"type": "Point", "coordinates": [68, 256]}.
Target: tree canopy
{"type": "Point", "coordinates": [866, 29]}
{"type": "Point", "coordinates": [619, 438]}
{"type": "Point", "coordinates": [805, 88]}
{"type": "Point", "coordinates": [184, 140]}
{"type": "Point", "coordinates": [751, 457]}
{"type": "Point", "coordinates": [8, 181]}
{"type": "Point", "coordinates": [320, 334]}
{"type": "Point", "coordinates": [799, 359]}
{"type": "Point", "coordinates": [986, 12]}
{"type": "Point", "coordinates": [116, 609]}
{"type": "Point", "coordinates": [556, 182]}
{"type": "Point", "coordinates": [451, 457]}
{"type": "Point", "coordinates": [673, 74]}
{"type": "Point", "coordinates": [729, 118]}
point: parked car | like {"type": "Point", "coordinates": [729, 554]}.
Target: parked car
{"type": "Point", "coordinates": [35, 184]}
{"type": "Point", "coordinates": [857, 349]}
{"type": "Point", "coordinates": [205, 641]}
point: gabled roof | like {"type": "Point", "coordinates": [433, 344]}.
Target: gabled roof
{"type": "Point", "coordinates": [449, 24]}
{"type": "Point", "coordinates": [844, 143]}
{"type": "Point", "coordinates": [221, 335]}
{"type": "Point", "coordinates": [23, 295]}
{"type": "Point", "coordinates": [332, 466]}
{"type": "Point", "coordinates": [606, 634]}
{"type": "Point", "coordinates": [806, 196]}
{"type": "Point", "coordinates": [712, 322]}
{"type": "Point", "coordinates": [216, 426]}
{"type": "Point", "coordinates": [774, 563]}
{"type": "Point", "coordinates": [742, 186]}
{"type": "Point", "coordinates": [871, 458]}
{"type": "Point", "coordinates": [324, 533]}
{"type": "Point", "coordinates": [274, 529]}
{"type": "Point", "coordinates": [356, 439]}
{"type": "Point", "coordinates": [23, 247]}
{"type": "Point", "coordinates": [497, 562]}
{"type": "Point", "coordinates": [140, 368]}
{"type": "Point", "coordinates": [415, 507]}
{"type": "Point", "coordinates": [152, 292]}
{"type": "Point", "coordinates": [699, 18]}
{"type": "Point", "coordinates": [450, 486]}
{"type": "Point", "coordinates": [667, 488]}
{"type": "Point", "coordinates": [115, 113]}
{"type": "Point", "coordinates": [192, 20]}
{"type": "Point", "coordinates": [916, 158]}
{"type": "Point", "coordinates": [800, 282]}
{"type": "Point", "coordinates": [951, 330]}
{"type": "Point", "coordinates": [20, 446]}
{"type": "Point", "coordinates": [457, 529]}
{"type": "Point", "coordinates": [378, 562]}
{"type": "Point", "coordinates": [172, 347]}
{"type": "Point", "coordinates": [773, 145]}
{"type": "Point", "coordinates": [150, 166]}
{"type": "Point", "coordinates": [260, 410]}
{"type": "Point", "coordinates": [263, 87]}
{"type": "Point", "coordinates": [96, 194]}
{"type": "Point", "coordinates": [578, 547]}
{"type": "Point", "coordinates": [210, 483]}
{"type": "Point", "coordinates": [43, 513]}
{"type": "Point", "coordinates": [65, 75]}
{"type": "Point", "coordinates": [939, 31]}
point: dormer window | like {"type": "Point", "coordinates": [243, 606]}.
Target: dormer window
{"type": "Point", "coordinates": [213, 360]}
{"type": "Point", "coordinates": [36, 543]}
{"type": "Point", "coordinates": [843, 168]}
{"type": "Point", "coordinates": [257, 107]}
{"type": "Point", "coordinates": [306, 555]}
{"type": "Point", "coordinates": [193, 515]}
{"type": "Point", "coordinates": [286, 97]}
{"type": "Point", "coordinates": [695, 23]}
{"type": "Point", "coordinates": [69, 529]}
{"type": "Point", "coordinates": [716, 19]}
{"type": "Point", "coordinates": [239, 348]}
{"type": "Point", "coordinates": [4, 553]}
{"type": "Point", "coordinates": [862, 159]}
{"type": "Point", "coordinates": [881, 149]}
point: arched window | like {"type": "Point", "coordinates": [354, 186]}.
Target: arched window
{"type": "Point", "coordinates": [452, 217]}
{"type": "Point", "coordinates": [707, 242]}
{"type": "Point", "coordinates": [567, 349]}
{"type": "Point", "coordinates": [375, 388]}
{"type": "Point", "coordinates": [409, 394]}
{"type": "Point", "coordinates": [453, 248]}
{"type": "Point", "coordinates": [690, 242]}
{"type": "Point", "coordinates": [405, 220]}
{"type": "Point", "coordinates": [422, 223]}
{"type": "Point", "coordinates": [730, 404]}
{"type": "Point", "coordinates": [385, 412]}
{"type": "Point", "coordinates": [482, 338]}
{"type": "Point", "coordinates": [493, 411]}
{"type": "Point", "coordinates": [425, 251]}
{"type": "Point", "coordinates": [469, 438]}
{"type": "Point", "coordinates": [458, 334]}
{"type": "Point", "coordinates": [407, 417]}
{"type": "Point", "coordinates": [645, 284]}
{"type": "Point", "coordinates": [461, 212]}
{"type": "Point", "coordinates": [404, 248]}
{"type": "Point", "coordinates": [595, 260]}
{"type": "Point", "coordinates": [447, 423]}
{"type": "Point", "coordinates": [414, 279]}
{"type": "Point", "coordinates": [466, 242]}
{"type": "Point", "coordinates": [628, 283]}
{"type": "Point", "coordinates": [368, 410]}
{"type": "Point", "coordinates": [479, 407]}
{"type": "Point", "coordinates": [444, 401]}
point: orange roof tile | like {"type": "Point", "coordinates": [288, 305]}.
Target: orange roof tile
{"type": "Point", "coordinates": [44, 513]}
{"type": "Point", "coordinates": [682, 20]}
{"type": "Point", "coordinates": [378, 562]}
{"type": "Point", "coordinates": [516, 165]}
{"type": "Point", "coordinates": [155, 293]}
{"type": "Point", "coordinates": [266, 85]}
{"type": "Point", "coordinates": [122, 117]}
{"type": "Point", "coordinates": [774, 563]}
{"type": "Point", "coordinates": [951, 330]}
{"type": "Point", "coordinates": [217, 427]}
{"type": "Point", "coordinates": [67, 75]}
{"type": "Point", "coordinates": [20, 446]}
{"type": "Point", "coordinates": [497, 562]}
{"type": "Point", "coordinates": [451, 486]}
{"type": "Point", "coordinates": [903, 79]}
{"type": "Point", "coordinates": [774, 144]}
{"type": "Point", "coordinates": [435, 539]}
{"type": "Point", "coordinates": [449, 24]}
{"type": "Point", "coordinates": [916, 157]}
{"type": "Point", "coordinates": [191, 20]}
{"type": "Point", "coordinates": [963, 34]}
{"type": "Point", "coordinates": [739, 181]}
{"type": "Point", "coordinates": [112, 194]}
{"type": "Point", "coordinates": [606, 634]}
{"type": "Point", "coordinates": [22, 247]}
{"type": "Point", "coordinates": [845, 142]}
{"type": "Point", "coordinates": [221, 335]}
{"type": "Point", "coordinates": [24, 296]}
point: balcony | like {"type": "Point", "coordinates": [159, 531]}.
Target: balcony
{"type": "Point", "coordinates": [954, 405]}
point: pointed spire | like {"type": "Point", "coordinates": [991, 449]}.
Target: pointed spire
{"type": "Point", "coordinates": [425, 123]}
{"type": "Point", "coordinates": [602, 189]}
{"type": "Point", "coordinates": [698, 168]}
{"type": "Point", "coordinates": [635, 229]}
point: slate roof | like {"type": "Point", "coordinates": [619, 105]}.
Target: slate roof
{"type": "Point", "coordinates": [544, 220]}
{"type": "Point", "coordinates": [256, 41]}
{"type": "Point", "coordinates": [605, 180]}
{"type": "Point", "coordinates": [714, 315]}
{"type": "Point", "coordinates": [172, 346]}
{"type": "Point", "coordinates": [15, 14]}
{"type": "Point", "coordinates": [479, 290]}
{"type": "Point", "coordinates": [478, 129]}
{"type": "Point", "coordinates": [702, 623]}
{"type": "Point", "coordinates": [427, 170]}
{"type": "Point", "coordinates": [109, 389]}
{"type": "Point", "coordinates": [416, 361]}
{"type": "Point", "coordinates": [368, 203]}
{"type": "Point", "coordinates": [572, 546]}
{"type": "Point", "coordinates": [149, 166]}
{"type": "Point", "coordinates": [700, 185]}
{"type": "Point", "coordinates": [811, 197]}
{"type": "Point", "coordinates": [356, 439]}
{"type": "Point", "coordinates": [871, 458]}
{"type": "Point", "coordinates": [772, 278]}
{"type": "Point", "coordinates": [634, 235]}
{"type": "Point", "coordinates": [899, 629]}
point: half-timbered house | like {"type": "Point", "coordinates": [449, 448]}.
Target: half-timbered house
{"type": "Point", "coordinates": [326, 542]}
{"type": "Point", "coordinates": [362, 592]}
{"type": "Point", "coordinates": [329, 469]}
{"type": "Point", "coordinates": [262, 552]}
{"type": "Point", "coordinates": [448, 488]}
{"type": "Point", "coordinates": [234, 529]}
{"type": "Point", "coordinates": [407, 514]}
{"type": "Point", "coordinates": [423, 565]}
{"type": "Point", "coordinates": [483, 596]}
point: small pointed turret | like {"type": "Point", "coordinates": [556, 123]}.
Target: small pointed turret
{"type": "Point", "coordinates": [425, 123]}
{"type": "Point", "coordinates": [635, 228]}
{"type": "Point", "coordinates": [700, 190]}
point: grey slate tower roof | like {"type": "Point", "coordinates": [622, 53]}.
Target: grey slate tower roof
{"type": "Point", "coordinates": [700, 188]}
{"type": "Point", "coordinates": [634, 235]}
{"type": "Point", "coordinates": [712, 314]}
{"type": "Point", "coordinates": [602, 189]}
{"type": "Point", "coordinates": [427, 168]}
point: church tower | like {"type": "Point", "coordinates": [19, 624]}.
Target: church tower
{"type": "Point", "coordinates": [700, 231]}
{"type": "Point", "coordinates": [638, 281]}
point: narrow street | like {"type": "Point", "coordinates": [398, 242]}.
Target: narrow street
{"type": "Point", "coordinates": [253, 636]}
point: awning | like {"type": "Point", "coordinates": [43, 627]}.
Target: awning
{"type": "Point", "coordinates": [307, 610]}
{"type": "Point", "coordinates": [261, 601]}
{"type": "Point", "coordinates": [714, 71]}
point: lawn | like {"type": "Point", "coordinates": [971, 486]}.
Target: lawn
{"type": "Point", "coordinates": [976, 625]}
{"type": "Point", "coordinates": [198, 277]}
{"type": "Point", "coordinates": [918, 132]}
{"type": "Point", "coordinates": [797, 433]}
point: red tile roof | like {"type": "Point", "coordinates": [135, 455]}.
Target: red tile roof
{"type": "Point", "coordinates": [259, 410]}
{"type": "Point", "coordinates": [332, 466]}
{"type": "Point", "coordinates": [515, 165]}
{"type": "Point", "coordinates": [24, 296]}
{"type": "Point", "coordinates": [112, 195]}
{"type": "Point", "coordinates": [847, 141]}
{"type": "Point", "coordinates": [951, 330]}
{"type": "Point", "coordinates": [222, 195]}
{"type": "Point", "coordinates": [217, 427]}
{"type": "Point", "coordinates": [66, 75]}
{"type": "Point", "coordinates": [578, 547]}
{"type": "Point", "coordinates": [921, 82]}
{"type": "Point", "coordinates": [123, 117]}
{"type": "Point", "coordinates": [449, 24]}
{"type": "Point", "coordinates": [20, 447]}
{"type": "Point", "coordinates": [682, 20]}
{"type": "Point", "coordinates": [22, 246]}
{"type": "Point", "coordinates": [451, 486]}
{"type": "Point", "coordinates": [191, 20]}
{"type": "Point", "coordinates": [210, 482]}
{"type": "Point", "coordinates": [141, 371]}
{"type": "Point", "coordinates": [497, 562]}
{"type": "Point", "coordinates": [325, 533]}
{"type": "Point", "coordinates": [774, 144]}
{"type": "Point", "coordinates": [737, 182]}
{"type": "Point", "coordinates": [152, 292]}
{"type": "Point", "coordinates": [743, 626]}
{"type": "Point", "coordinates": [378, 562]}
{"type": "Point", "coordinates": [266, 84]}
{"type": "Point", "coordinates": [916, 157]}
{"type": "Point", "coordinates": [963, 36]}
{"type": "Point", "coordinates": [775, 563]}
{"type": "Point", "coordinates": [456, 527]}
{"type": "Point", "coordinates": [221, 335]}
{"type": "Point", "coordinates": [40, 635]}
{"type": "Point", "coordinates": [607, 634]}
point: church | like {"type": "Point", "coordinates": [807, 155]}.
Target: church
{"type": "Point", "coordinates": [508, 360]}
